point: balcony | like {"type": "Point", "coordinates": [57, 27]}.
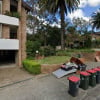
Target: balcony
{"type": "Point", "coordinates": [9, 44]}
{"type": "Point", "coordinates": [4, 19]}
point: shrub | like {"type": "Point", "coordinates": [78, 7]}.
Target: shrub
{"type": "Point", "coordinates": [32, 66]}
{"type": "Point", "coordinates": [32, 46]}
{"type": "Point", "coordinates": [48, 51]}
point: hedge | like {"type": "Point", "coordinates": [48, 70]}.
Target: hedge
{"type": "Point", "coordinates": [32, 66]}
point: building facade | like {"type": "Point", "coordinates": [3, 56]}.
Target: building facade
{"type": "Point", "coordinates": [13, 14]}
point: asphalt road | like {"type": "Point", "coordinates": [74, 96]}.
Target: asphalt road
{"type": "Point", "coordinates": [46, 87]}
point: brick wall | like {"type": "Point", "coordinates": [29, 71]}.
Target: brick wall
{"type": "Point", "coordinates": [5, 6]}
{"type": "Point", "coordinates": [5, 31]}
{"type": "Point", "coordinates": [5, 28]}
{"type": "Point", "coordinates": [21, 55]}
{"type": "Point", "coordinates": [23, 27]}
{"type": "Point", "coordinates": [18, 56]}
{"type": "Point", "coordinates": [21, 32]}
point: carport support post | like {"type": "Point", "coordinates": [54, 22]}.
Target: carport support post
{"type": "Point", "coordinates": [21, 34]}
{"type": "Point", "coordinates": [18, 57]}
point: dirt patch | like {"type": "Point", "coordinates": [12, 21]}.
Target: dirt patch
{"type": "Point", "coordinates": [47, 68]}
{"type": "Point", "coordinates": [89, 56]}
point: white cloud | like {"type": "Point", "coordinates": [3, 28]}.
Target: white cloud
{"type": "Point", "coordinates": [83, 3]}
{"type": "Point", "coordinates": [78, 14]}
{"type": "Point", "coordinates": [94, 3]}
{"type": "Point", "coordinates": [55, 24]}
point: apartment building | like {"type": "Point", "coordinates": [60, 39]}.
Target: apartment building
{"type": "Point", "coordinates": [13, 14]}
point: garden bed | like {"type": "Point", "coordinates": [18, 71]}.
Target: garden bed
{"type": "Point", "coordinates": [48, 68]}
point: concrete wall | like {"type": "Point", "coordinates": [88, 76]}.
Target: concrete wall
{"type": "Point", "coordinates": [9, 44]}
{"type": "Point", "coordinates": [9, 20]}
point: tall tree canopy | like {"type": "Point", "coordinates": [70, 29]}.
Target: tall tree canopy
{"type": "Point", "coordinates": [81, 25]}
{"type": "Point", "coordinates": [62, 7]}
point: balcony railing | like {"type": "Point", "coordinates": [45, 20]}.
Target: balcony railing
{"type": "Point", "coordinates": [9, 44]}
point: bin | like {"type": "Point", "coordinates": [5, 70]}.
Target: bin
{"type": "Point", "coordinates": [82, 67]}
{"type": "Point", "coordinates": [98, 67]}
{"type": "Point", "coordinates": [84, 80]}
{"type": "Point", "coordinates": [73, 85]}
{"type": "Point", "coordinates": [97, 75]}
{"type": "Point", "coordinates": [92, 77]}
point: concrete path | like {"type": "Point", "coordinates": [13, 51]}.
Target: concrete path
{"type": "Point", "coordinates": [13, 75]}
{"type": "Point", "coordinates": [46, 87]}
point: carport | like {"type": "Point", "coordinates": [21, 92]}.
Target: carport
{"type": "Point", "coordinates": [7, 57]}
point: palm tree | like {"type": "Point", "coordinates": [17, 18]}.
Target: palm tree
{"type": "Point", "coordinates": [63, 7]}
{"type": "Point", "coordinates": [96, 19]}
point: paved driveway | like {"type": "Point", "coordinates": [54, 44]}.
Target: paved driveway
{"type": "Point", "coordinates": [46, 87]}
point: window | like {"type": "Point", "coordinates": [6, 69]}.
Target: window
{"type": "Point", "coordinates": [0, 7]}
{"type": "Point", "coordinates": [0, 30]}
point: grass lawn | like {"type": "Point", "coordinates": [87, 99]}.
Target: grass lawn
{"type": "Point", "coordinates": [63, 56]}
{"type": "Point", "coordinates": [54, 60]}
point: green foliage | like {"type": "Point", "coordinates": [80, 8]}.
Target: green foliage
{"type": "Point", "coordinates": [55, 6]}
{"type": "Point", "coordinates": [12, 14]}
{"type": "Point", "coordinates": [87, 41]}
{"type": "Point", "coordinates": [96, 19]}
{"type": "Point", "coordinates": [32, 66]}
{"type": "Point", "coordinates": [32, 46]}
{"type": "Point", "coordinates": [96, 44]}
{"type": "Point", "coordinates": [71, 52]}
{"type": "Point", "coordinates": [16, 14]}
{"type": "Point", "coordinates": [48, 51]}
{"type": "Point", "coordinates": [53, 38]}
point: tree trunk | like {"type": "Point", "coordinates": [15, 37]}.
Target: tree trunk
{"type": "Point", "coordinates": [62, 27]}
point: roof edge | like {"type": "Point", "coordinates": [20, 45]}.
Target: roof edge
{"type": "Point", "coordinates": [26, 6]}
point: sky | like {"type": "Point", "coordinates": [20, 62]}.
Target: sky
{"type": "Point", "coordinates": [86, 9]}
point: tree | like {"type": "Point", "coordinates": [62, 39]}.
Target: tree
{"type": "Point", "coordinates": [71, 30]}
{"type": "Point", "coordinates": [61, 6]}
{"type": "Point", "coordinates": [96, 19]}
{"type": "Point", "coordinates": [81, 25]}
{"type": "Point", "coordinates": [33, 20]}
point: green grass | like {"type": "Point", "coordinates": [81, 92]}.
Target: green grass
{"type": "Point", "coordinates": [71, 52]}
{"type": "Point", "coordinates": [62, 56]}
{"type": "Point", "coordinates": [54, 60]}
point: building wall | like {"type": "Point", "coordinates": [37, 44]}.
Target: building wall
{"type": "Point", "coordinates": [5, 28]}
{"type": "Point", "coordinates": [21, 55]}
{"type": "Point", "coordinates": [5, 6]}
{"type": "Point", "coordinates": [23, 28]}
{"type": "Point", "coordinates": [18, 55]}
{"type": "Point", "coordinates": [5, 31]}
{"type": "Point", "coordinates": [97, 37]}
{"type": "Point", "coordinates": [21, 31]}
